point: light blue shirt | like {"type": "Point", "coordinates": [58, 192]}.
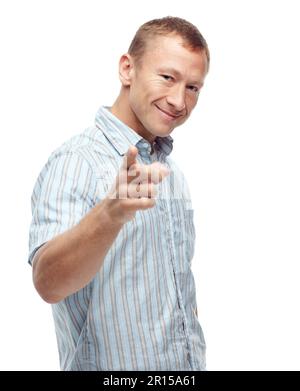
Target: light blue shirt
{"type": "Point", "coordinates": [139, 312]}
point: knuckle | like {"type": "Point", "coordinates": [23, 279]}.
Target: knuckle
{"type": "Point", "coordinates": [154, 190]}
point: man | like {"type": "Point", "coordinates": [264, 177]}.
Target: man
{"type": "Point", "coordinates": [112, 234]}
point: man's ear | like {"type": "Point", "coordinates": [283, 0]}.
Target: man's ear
{"type": "Point", "coordinates": [126, 70]}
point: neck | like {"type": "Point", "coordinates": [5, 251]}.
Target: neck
{"type": "Point", "coordinates": [122, 110]}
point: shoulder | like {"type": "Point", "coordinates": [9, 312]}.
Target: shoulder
{"type": "Point", "coordinates": [78, 144]}
{"type": "Point", "coordinates": [89, 146]}
{"type": "Point", "coordinates": [175, 169]}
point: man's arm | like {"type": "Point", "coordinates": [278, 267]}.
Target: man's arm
{"type": "Point", "coordinates": [69, 261]}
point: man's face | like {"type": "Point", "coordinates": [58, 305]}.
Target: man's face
{"type": "Point", "coordinates": [164, 88]}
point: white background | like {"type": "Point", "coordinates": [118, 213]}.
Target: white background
{"type": "Point", "coordinates": [239, 151]}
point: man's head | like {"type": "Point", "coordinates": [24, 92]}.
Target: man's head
{"type": "Point", "coordinates": [161, 76]}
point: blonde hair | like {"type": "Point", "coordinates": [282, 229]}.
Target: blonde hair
{"type": "Point", "coordinates": [192, 38]}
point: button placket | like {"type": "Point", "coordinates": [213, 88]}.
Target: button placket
{"type": "Point", "coordinates": [183, 326]}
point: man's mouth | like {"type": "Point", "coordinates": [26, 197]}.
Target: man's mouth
{"type": "Point", "coordinates": [167, 114]}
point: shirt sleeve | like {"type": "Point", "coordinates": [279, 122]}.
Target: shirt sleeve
{"type": "Point", "coordinates": [64, 192]}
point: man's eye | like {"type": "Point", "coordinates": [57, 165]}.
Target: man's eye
{"type": "Point", "coordinates": [193, 88]}
{"type": "Point", "coordinates": [167, 77]}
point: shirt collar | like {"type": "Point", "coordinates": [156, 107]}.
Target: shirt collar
{"type": "Point", "coordinates": [122, 136]}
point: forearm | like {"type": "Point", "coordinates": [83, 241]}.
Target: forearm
{"type": "Point", "coordinates": [69, 261]}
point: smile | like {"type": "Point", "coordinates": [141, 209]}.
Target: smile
{"type": "Point", "coordinates": [167, 115]}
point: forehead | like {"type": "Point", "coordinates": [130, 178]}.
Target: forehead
{"type": "Point", "coordinates": [170, 52]}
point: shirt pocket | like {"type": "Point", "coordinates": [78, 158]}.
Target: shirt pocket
{"type": "Point", "coordinates": [184, 231]}
{"type": "Point", "coordinates": [189, 234]}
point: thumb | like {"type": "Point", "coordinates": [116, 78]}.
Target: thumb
{"type": "Point", "coordinates": [130, 157]}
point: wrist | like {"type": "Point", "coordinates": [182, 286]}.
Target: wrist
{"type": "Point", "coordinates": [111, 213]}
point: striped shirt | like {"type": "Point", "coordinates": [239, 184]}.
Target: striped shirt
{"type": "Point", "coordinates": [139, 312]}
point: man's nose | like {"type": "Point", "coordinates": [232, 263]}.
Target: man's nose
{"type": "Point", "coordinates": [176, 98]}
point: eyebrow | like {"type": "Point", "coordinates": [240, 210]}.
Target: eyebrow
{"type": "Point", "coordinates": [177, 74]}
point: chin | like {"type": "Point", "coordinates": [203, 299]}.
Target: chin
{"type": "Point", "coordinates": [159, 130]}
{"type": "Point", "coordinates": [162, 133]}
